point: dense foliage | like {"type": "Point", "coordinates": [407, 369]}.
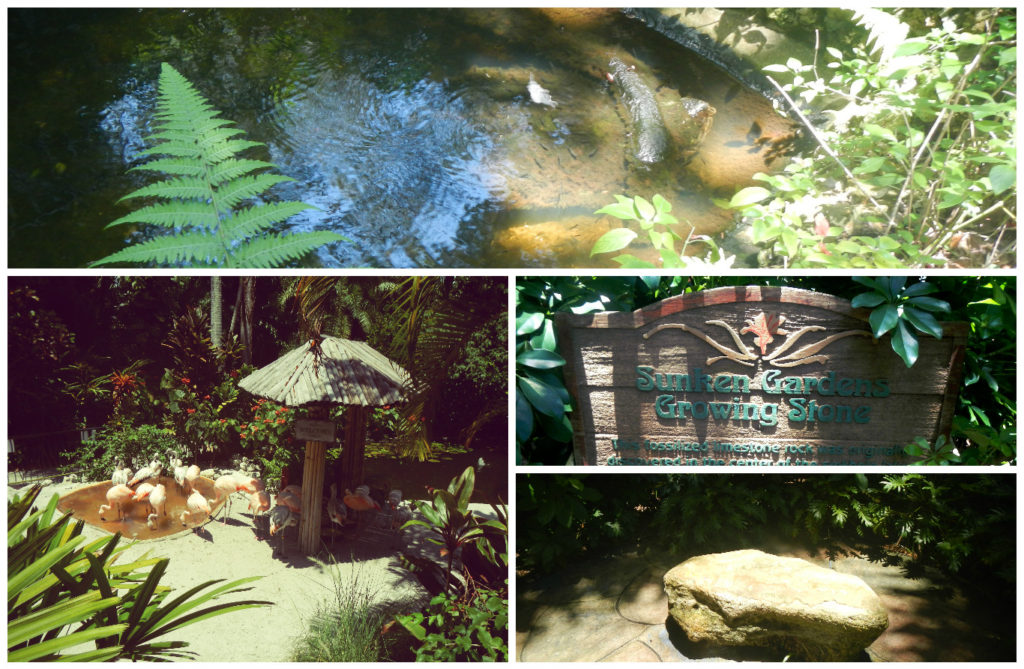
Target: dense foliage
{"type": "Point", "coordinates": [962, 526]}
{"type": "Point", "coordinates": [984, 425]}
{"type": "Point", "coordinates": [120, 353]}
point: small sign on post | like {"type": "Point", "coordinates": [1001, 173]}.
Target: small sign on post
{"type": "Point", "coordinates": [314, 430]}
{"type": "Point", "coordinates": [752, 375]}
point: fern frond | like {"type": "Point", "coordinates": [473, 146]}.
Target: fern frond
{"type": "Point", "coordinates": [185, 187]}
{"type": "Point", "coordinates": [177, 214]}
{"type": "Point", "coordinates": [196, 248]}
{"type": "Point", "coordinates": [242, 188]}
{"type": "Point", "coordinates": [181, 165]}
{"type": "Point", "coordinates": [275, 250]}
{"type": "Point", "coordinates": [251, 221]}
{"type": "Point", "coordinates": [208, 181]}
{"type": "Point", "coordinates": [232, 167]}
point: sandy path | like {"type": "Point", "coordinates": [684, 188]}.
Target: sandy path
{"type": "Point", "coordinates": [293, 582]}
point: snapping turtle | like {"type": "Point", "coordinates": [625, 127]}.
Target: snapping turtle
{"type": "Point", "coordinates": [688, 121]}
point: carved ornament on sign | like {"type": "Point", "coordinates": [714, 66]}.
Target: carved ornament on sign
{"type": "Point", "coordinates": [764, 327]}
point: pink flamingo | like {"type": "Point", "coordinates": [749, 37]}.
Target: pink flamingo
{"type": "Point", "coordinates": [360, 500]}
{"type": "Point", "coordinates": [141, 475]}
{"type": "Point", "coordinates": [259, 502]}
{"type": "Point", "coordinates": [336, 510]}
{"type": "Point", "coordinates": [191, 476]}
{"type": "Point", "coordinates": [226, 485]}
{"type": "Point", "coordinates": [117, 496]}
{"type": "Point", "coordinates": [143, 492]}
{"type": "Point", "coordinates": [179, 473]}
{"type": "Point", "coordinates": [291, 497]}
{"type": "Point", "coordinates": [198, 507]}
{"type": "Point", "coordinates": [158, 499]}
{"type": "Point", "coordinates": [248, 483]}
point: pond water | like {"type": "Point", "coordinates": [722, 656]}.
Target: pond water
{"type": "Point", "coordinates": [414, 132]}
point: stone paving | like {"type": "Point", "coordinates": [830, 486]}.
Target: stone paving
{"type": "Point", "coordinates": [616, 611]}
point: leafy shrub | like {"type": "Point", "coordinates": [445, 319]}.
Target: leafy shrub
{"type": "Point", "coordinates": [207, 184]}
{"type": "Point", "coordinates": [61, 593]}
{"type": "Point", "coordinates": [901, 309]}
{"type": "Point", "coordinates": [469, 622]}
{"type": "Point", "coordinates": [917, 164]}
{"type": "Point", "coordinates": [133, 446]}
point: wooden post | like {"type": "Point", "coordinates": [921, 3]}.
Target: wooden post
{"type": "Point", "coordinates": [354, 446]}
{"type": "Point", "coordinates": [312, 490]}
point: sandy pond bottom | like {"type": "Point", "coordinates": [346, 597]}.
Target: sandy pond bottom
{"type": "Point", "coordinates": [296, 584]}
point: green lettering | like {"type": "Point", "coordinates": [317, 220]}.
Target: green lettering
{"type": "Point", "coordinates": [644, 380]}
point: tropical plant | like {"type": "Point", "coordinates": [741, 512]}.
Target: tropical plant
{"type": "Point", "coordinates": [55, 580]}
{"type": "Point", "coordinates": [125, 444]}
{"type": "Point", "coordinates": [206, 187]}
{"type": "Point", "coordinates": [654, 218]}
{"type": "Point", "coordinates": [469, 622]}
{"type": "Point", "coordinates": [901, 309]}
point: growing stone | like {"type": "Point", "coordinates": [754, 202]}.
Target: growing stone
{"type": "Point", "coordinates": [751, 598]}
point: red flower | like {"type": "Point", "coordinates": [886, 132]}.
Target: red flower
{"type": "Point", "coordinates": [234, 374]}
{"type": "Point", "coordinates": [185, 380]}
{"type": "Point", "coordinates": [413, 418]}
{"type": "Point", "coordinates": [281, 421]}
{"type": "Point", "coordinates": [223, 420]}
{"type": "Point", "coordinates": [242, 435]}
{"type": "Point", "coordinates": [206, 397]}
{"type": "Point", "coordinates": [266, 420]}
{"type": "Point", "coordinates": [191, 410]}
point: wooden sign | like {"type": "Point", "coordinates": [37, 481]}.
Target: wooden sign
{"type": "Point", "coordinates": [314, 430]}
{"type": "Point", "coordinates": [752, 376]}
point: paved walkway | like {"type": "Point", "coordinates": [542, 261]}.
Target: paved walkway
{"type": "Point", "coordinates": [616, 611]}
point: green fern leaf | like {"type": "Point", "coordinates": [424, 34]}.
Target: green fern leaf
{"type": "Point", "coordinates": [275, 250]}
{"type": "Point", "coordinates": [196, 248]}
{"type": "Point", "coordinates": [207, 184]}
{"type": "Point", "coordinates": [174, 215]}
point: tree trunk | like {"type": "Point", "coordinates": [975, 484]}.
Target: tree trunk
{"type": "Point", "coordinates": [245, 324]}
{"type": "Point", "coordinates": [216, 312]}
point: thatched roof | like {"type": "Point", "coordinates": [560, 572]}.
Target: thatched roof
{"type": "Point", "coordinates": [347, 372]}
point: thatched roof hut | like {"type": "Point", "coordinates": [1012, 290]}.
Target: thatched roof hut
{"type": "Point", "coordinates": [325, 372]}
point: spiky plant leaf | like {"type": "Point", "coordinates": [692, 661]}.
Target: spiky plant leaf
{"type": "Point", "coordinates": [201, 200]}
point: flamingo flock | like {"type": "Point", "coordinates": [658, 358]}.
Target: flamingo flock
{"type": "Point", "coordinates": [145, 487]}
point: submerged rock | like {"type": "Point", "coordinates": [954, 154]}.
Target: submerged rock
{"type": "Point", "coordinates": [750, 598]}
{"type": "Point", "coordinates": [688, 121]}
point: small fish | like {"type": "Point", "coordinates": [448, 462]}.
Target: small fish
{"type": "Point", "coordinates": [539, 94]}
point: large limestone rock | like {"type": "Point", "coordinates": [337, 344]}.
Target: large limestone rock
{"type": "Point", "coordinates": [750, 598]}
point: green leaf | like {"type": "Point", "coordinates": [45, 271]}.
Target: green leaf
{"type": "Point", "coordinates": [1002, 177]}
{"type": "Point", "coordinates": [923, 321]}
{"type": "Point", "coordinates": [613, 240]}
{"type": "Point", "coordinates": [644, 208]}
{"type": "Point", "coordinates": [541, 396]}
{"type": "Point", "coordinates": [905, 344]}
{"type": "Point", "coordinates": [529, 321]}
{"type": "Point", "coordinates": [871, 299]}
{"type": "Point", "coordinates": [524, 417]}
{"type": "Point", "coordinates": [661, 204]}
{"type": "Point", "coordinates": [883, 319]}
{"type": "Point", "coordinates": [749, 196]}
{"type": "Point", "coordinates": [623, 209]}
{"type": "Point", "coordinates": [910, 47]}
{"type": "Point", "coordinates": [929, 304]}
{"type": "Point", "coordinates": [540, 359]}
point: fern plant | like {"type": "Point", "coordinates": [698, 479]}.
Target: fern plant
{"type": "Point", "coordinates": [202, 197]}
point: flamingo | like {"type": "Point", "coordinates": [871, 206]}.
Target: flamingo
{"type": "Point", "coordinates": [117, 496]}
{"type": "Point", "coordinates": [336, 510]}
{"type": "Point", "coordinates": [119, 477]}
{"type": "Point", "coordinates": [291, 497]}
{"type": "Point", "coordinates": [259, 502]}
{"type": "Point", "coordinates": [179, 473]}
{"type": "Point", "coordinates": [198, 507]}
{"type": "Point", "coordinates": [226, 485]}
{"type": "Point", "coordinates": [360, 500]}
{"type": "Point", "coordinates": [158, 499]}
{"type": "Point", "coordinates": [191, 476]}
{"type": "Point", "coordinates": [280, 518]}
{"type": "Point", "coordinates": [143, 492]}
{"type": "Point", "coordinates": [248, 483]}
{"type": "Point", "coordinates": [151, 520]}
{"type": "Point", "coordinates": [141, 475]}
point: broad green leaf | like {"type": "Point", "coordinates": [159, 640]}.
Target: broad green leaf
{"type": "Point", "coordinates": [883, 319]}
{"type": "Point", "coordinates": [661, 204]}
{"type": "Point", "coordinates": [905, 344]}
{"type": "Point", "coordinates": [1002, 177]}
{"type": "Point", "coordinates": [748, 196]}
{"type": "Point", "coordinates": [540, 359]}
{"type": "Point", "coordinates": [613, 240]}
{"type": "Point", "coordinates": [644, 208]}
{"type": "Point", "coordinates": [620, 210]}
{"type": "Point", "coordinates": [929, 304]}
{"type": "Point", "coordinates": [528, 322]}
{"type": "Point", "coordinates": [541, 396]}
{"type": "Point", "coordinates": [923, 321]}
{"type": "Point", "coordinates": [524, 417]}
{"type": "Point", "coordinates": [867, 300]}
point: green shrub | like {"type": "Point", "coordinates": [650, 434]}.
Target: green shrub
{"type": "Point", "coordinates": [96, 458]}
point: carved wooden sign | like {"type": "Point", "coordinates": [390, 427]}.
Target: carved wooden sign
{"type": "Point", "coordinates": [752, 376]}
